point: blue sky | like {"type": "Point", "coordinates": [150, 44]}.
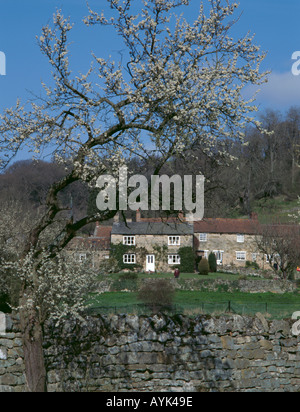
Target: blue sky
{"type": "Point", "coordinates": [275, 23]}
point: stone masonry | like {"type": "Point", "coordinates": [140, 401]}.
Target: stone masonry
{"type": "Point", "coordinates": [162, 353]}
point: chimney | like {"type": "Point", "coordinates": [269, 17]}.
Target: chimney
{"type": "Point", "coordinates": [96, 229]}
{"type": "Point", "coordinates": [181, 216]}
{"type": "Point", "coordinates": [138, 215]}
{"type": "Point", "coordinates": [116, 218]}
{"type": "Point", "coordinates": [253, 216]}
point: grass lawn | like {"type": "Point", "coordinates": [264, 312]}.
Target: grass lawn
{"type": "Point", "coordinates": [195, 302]}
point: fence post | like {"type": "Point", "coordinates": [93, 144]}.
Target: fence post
{"type": "Point", "coordinates": [228, 307]}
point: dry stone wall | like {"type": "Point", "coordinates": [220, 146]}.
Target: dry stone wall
{"type": "Point", "coordinates": [116, 353]}
{"type": "Point", "coordinates": [211, 285]}
{"type": "Point", "coordinates": [12, 368]}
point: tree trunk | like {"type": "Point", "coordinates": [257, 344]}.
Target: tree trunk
{"type": "Point", "coordinates": [32, 334]}
{"type": "Point", "coordinates": [293, 169]}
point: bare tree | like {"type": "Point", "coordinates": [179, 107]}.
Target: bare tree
{"type": "Point", "coordinates": [176, 84]}
{"type": "Point", "coordinates": [280, 243]}
{"type": "Point", "coordinates": [292, 135]}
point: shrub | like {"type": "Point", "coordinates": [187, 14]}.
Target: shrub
{"type": "Point", "coordinates": [157, 294]}
{"type": "Point", "coordinates": [203, 267]}
{"type": "Point", "coordinates": [187, 259]}
{"type": "Point", "coordinates": [252, 265]}
{"type": "Point", "coordinates": [109, 266]}
{"type": "Point", "coordinates": [128, 276]}
{"type": "Point", "coordinates": [212, 261]}
{"type": "Point", "coordinates": [126, 281]}
{"type": "Point", "coordinates": [4, 303]}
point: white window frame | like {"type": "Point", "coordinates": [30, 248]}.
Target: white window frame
{"type": "Point", "coordinates": [273, 258]}
{"type": "Point", "coordinates": [241, 256]}
{"type": "Point", "coordinates": [174, 240]}
{"type": "Point", "coordinates": [129, 258]}
{"type": "Point", "coordinates": [219, 261]}
{"type": "Point", "coordinates": [129, 240]}
{"type": "Point", "coordinates": [240, 238]}
{"type": "Point", "coordinates": [203, 237]}
{"type": "Point", "coordinates": [82, 257]}
{"type": "Point", "coordinates": [173, 259]}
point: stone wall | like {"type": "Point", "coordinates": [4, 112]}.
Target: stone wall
{"type": "Point", "coordinates": [246, 285]}
{"type": "Point", "coordinates": [162, 353]}
{"type": "Point", "coordinates": [12, 377]}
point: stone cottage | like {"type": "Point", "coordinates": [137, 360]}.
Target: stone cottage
{"type": "Point", "coordinates": [234, 241]}
{"type": "Point", "coordinates": [153, 245]}
{"type": "Point", "coordinates": [95, 248]}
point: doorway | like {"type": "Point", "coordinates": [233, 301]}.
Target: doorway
{"type": "Point", "coordinates": [150, 263]}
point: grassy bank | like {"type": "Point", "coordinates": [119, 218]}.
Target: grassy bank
{"type": "Point", "coordinates": [195, 302]}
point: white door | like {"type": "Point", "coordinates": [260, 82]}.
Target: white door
{"type": "Point", "coordinates": [150, 263]}
{"type": "Point", "coordinates": [219, 256]}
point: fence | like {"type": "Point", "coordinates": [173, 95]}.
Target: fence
{"type": "Point", "coordinates": [274, 310]}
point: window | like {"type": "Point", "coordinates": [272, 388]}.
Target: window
{"type": "Point", "coordinates": [203, 237]}
{"type": "Point", "coordinates": [174, 260]}
{"type": "Point", "coordinates": [254, 257]}
{"type": "Point", "coordinates": [272, 258]}
{"type": "Point", "coordinates": [129, 240]}
{"type": "Point", "coordinates": [203, 253]}
{"type": "Point", "coordinates": [129, 259]}
{"type": "Point", "coordinates": [82, 257]}
{"type": "Point", "coordinates": [219, 256]}
{"type": "Point", "coordinates": [240, 238]}
{"type": "Point", "coordinates": [174, 241]}
{"type": "Point", "coordinates": [241, 256]}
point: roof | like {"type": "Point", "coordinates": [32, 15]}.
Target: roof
{"type": "Point", "coordinates": [99, 241]}
{"type": "Point", "coordinates": [102, 231]}
{"type": "Point", "coordinates": [229, 226]}
{"type": "Point", "coordinates": [152, 228]}
{"type": "Point", "coordinates": [90, 243]}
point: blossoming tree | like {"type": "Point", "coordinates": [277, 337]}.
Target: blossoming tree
{"type": "Point", "coordinates": [177, 84]}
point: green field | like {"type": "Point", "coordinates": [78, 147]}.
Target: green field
{"type": "Point", "coordinates": [196, 302]}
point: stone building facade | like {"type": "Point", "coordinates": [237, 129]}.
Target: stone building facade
{"type": "Point", "coordinates": [156, 244]}
{"type": "Point", "coordinates": [158, 241]}
{"type": "Point", "coordinates": [234, 241]}
{"type": "Point", "coordinates": [94, 249]}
